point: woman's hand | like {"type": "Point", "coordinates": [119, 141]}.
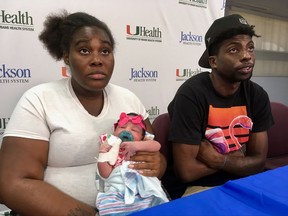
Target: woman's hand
{"type": "Point", "coordinates": [147, 163]}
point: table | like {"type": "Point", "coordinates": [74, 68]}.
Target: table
{"type": "Point", "coordinates": [261, 194]}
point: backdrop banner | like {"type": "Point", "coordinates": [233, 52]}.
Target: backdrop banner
{"type": "Point", "coordinates": [158, 44]}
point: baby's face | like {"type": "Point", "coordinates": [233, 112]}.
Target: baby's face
{"type": "Point", "coordinates": [135, 130]}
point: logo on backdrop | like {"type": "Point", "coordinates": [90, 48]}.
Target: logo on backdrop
{"type": "Point", "coordinates": [3, 125]}
{"type": "Point", "coordinates": [16, 21]}
{"type": "Point", "coordinates": [154, 111]}
{"type": "Point", "coordinates": [184, 74]}
{"type": "Point", "coordinates": [190, 39]}
{"type": "Point", "coordinates": [196, 3]}
{"type": "Point", "coordinates": [14, 75]}
{"type": "Point", "coordinates": [142, 33]}
{"type": "Point", "coordinates": [137, 75]}
{"type": "Point", "coordinates": [143, 75]}
{"type": "Point", "coordinates": [65, 72]}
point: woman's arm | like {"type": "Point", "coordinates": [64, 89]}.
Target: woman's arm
{"type": "Point", "coordinates": [22, 165]}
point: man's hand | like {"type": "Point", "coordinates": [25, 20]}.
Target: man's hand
{"type": "Point", "coordinates": [208, 155]}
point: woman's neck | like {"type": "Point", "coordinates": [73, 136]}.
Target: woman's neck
{"type": "Point", "coordinates": [92, 101]}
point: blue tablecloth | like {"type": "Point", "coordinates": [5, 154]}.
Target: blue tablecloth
{"type": "Point", "coordinates": [262, 194]}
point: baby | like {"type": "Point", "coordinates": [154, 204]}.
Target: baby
{"type": "Point", "coordinates": [217, 137]}
{"type": "Point", "coordinates": [125, 190]}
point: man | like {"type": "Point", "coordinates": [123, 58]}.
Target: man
{"type": "Point", "coordinates": [219, 119]}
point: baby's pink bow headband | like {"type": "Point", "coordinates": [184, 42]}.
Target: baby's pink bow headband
{"type": "Point", "coordinates": [136, 120]}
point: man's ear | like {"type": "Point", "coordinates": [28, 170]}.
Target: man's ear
{"type": "Point", "coordinates": [213, 61]}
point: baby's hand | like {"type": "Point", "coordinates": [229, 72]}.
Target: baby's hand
{"type": "Point", "coordinates": [104, 147]}
{"type": "Point", "coordinates": [129, 149]}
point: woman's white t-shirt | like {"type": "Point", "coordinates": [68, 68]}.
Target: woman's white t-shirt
{"type": "Point", "coordinates": [53, 113]}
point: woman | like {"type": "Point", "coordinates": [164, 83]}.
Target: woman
{"type": "Point", "coordinates": [47, 158]}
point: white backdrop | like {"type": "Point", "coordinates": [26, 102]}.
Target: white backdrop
{"type": "Point", "coordinates": [159, 61]}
